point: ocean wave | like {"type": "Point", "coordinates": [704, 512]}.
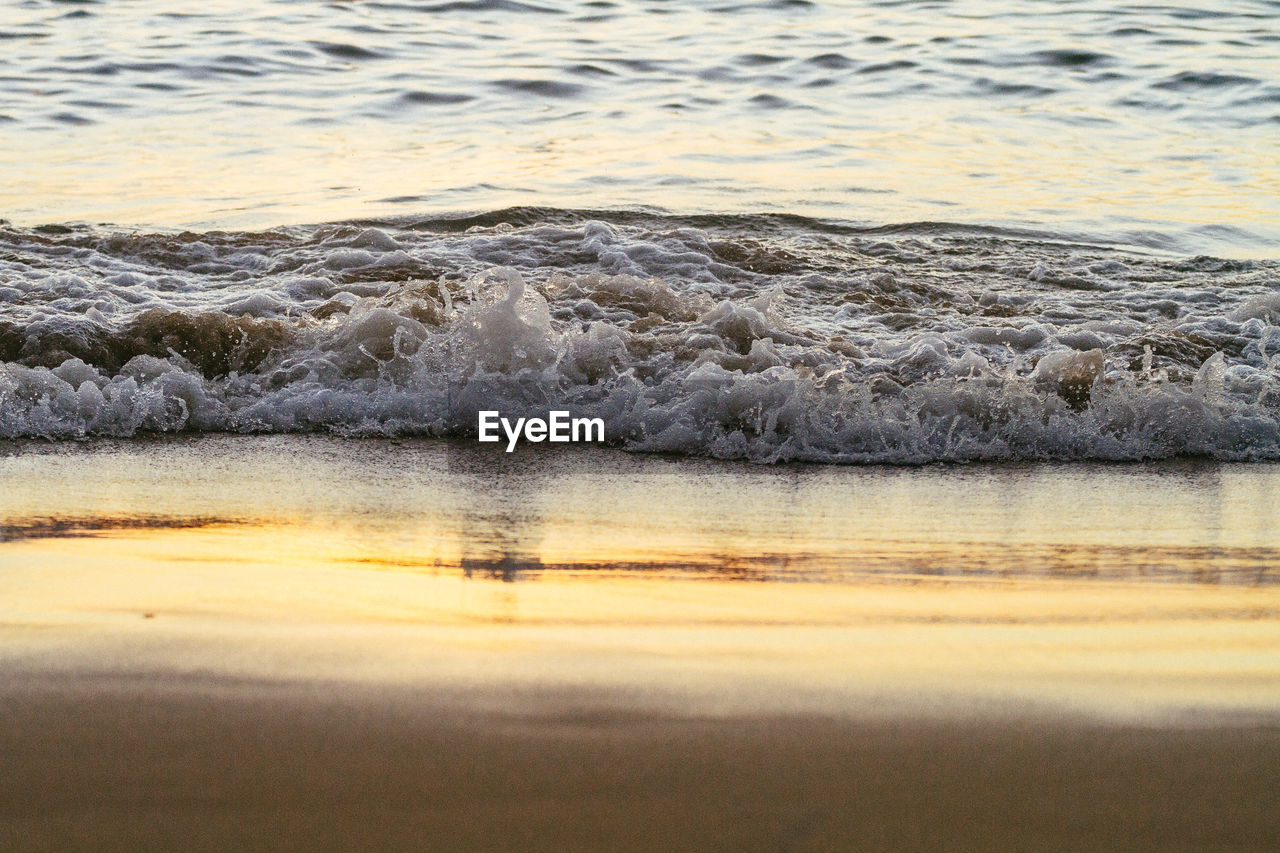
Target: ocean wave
{"type": "Point", "coordinates": [770, 339]}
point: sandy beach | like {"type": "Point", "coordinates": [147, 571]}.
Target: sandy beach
{"type": "Point", "coordinates": [294, 656]}
{"type": "Point", "coordinates": [205, 763]}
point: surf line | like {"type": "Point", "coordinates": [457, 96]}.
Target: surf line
{"type": "Point", "coordinates": [557, 427]}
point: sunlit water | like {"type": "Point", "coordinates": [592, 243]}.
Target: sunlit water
{"type": "Point", "coordinates": [704, 587]}
{"type": "Point", "coordinates": [777, 232]}
{"type": "Point", "coordinates": [461, 508]}
{"type": "Point", "coordinates": [1142, 123]}
{"type": "Point", "coordinates": [898, 232]}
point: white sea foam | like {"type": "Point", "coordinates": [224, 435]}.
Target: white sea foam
{"type": "Point", "coordinates": [866, 351]}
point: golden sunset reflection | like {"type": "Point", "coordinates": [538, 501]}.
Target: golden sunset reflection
{"type": "Point", "coordinates": [1081, 645]}
{"type": "Point", "coordinates": [484, 584]}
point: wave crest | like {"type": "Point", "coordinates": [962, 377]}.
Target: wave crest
{"type": "Point", "coordinates": [668, 371]}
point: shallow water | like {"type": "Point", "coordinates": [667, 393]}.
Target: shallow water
{"type": "Point", "coordinates": [457, 508]}
{"type": "Point", "coordinates": [701, 587]}
{"type": "Point", "coordinates": [1140, 123]}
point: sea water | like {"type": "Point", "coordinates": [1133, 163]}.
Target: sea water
{"type": "Point", "coordinates": [830, 232]}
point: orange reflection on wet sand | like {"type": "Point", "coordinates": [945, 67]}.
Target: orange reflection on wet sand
{"type": "Point", "coordinates": [1121, 591]}
{"type": "Point", "coordinates": [292, 601]}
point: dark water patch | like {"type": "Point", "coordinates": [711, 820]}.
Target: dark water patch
{"type": "Point", "coordinates": [346, 51]}
{"type": "Point", "coordinates": [541, 88]}
{"type": "Point", "coordinates": [47, 527]}
{"type": "Point", "coordinates": [514, 216]}
{"type": "Point", "coordinates": [757, 257]}
{"type": "Point", "coordinates": [1167, 348]}
{"type": "Point", "coordinates": [1168, 106]}
{"type": "Point", "coordinates": [588, 70]}
{"type": "Point", "coordinates": [236, 59]}
{"type": "Point", "coordinates": [1206, 263]}
{"type": "Point", "coordinates": [177, 251]}
{"type": "Point", "coordinates": [213, 72]}
{"type": "Point", "coordinates": [472, 6]}
{"type": "Point", "coordinates": [722, 74]}
{"type": "Point", "coordinates": [643, 66]}
{"type": "Point", "coordinates": [1268, 96]}
{"type": "Point", "coordinates": [214, 343]}
{"type": "Point", "coordinates": [1081, 119]}
{"type": "Point", "coordinates": [1069, 58]}
{"type": "Point", "coordinates": [758, 59]}
{"type": "Point", "coordinates": [770, 102]}
{"type": "Point", "coordinates": [882, 67]}
{"type": "Point", "coordinates": [150, 67]}
{"type": "Point", "coordinates": [1195, 80]}
{"type": "Point", "coordinates": [414, 271]}
{"type": "Point", "coordinates": [792, 567]}
{"type": "Point", "coordinates": [1196, 13]}
{"type": "Point", "coordinates": [102, 69]}
{"type": "Point", "coordinates": [98, 105]}
{"type": "Point", "coordinates": [74, 119]}
{"type": "Point", "coordinates": [1023, 90]}
{"type": "Point", "coordinates": [832, 61]}
{"type": "Point", "coordinates": [435, 98]}
{"type": "Point", "coordinates": [753, 223]}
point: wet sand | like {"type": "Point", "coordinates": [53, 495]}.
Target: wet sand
{"type": "Point", "coordinates": [265, 643]}
{"type": "Point", "coordinates": [130, 764]}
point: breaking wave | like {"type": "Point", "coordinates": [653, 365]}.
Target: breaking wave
{"type": "Point", "coordinates": [767, 338]}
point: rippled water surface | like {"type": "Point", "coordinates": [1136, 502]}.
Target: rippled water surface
{"type": "Point", "coordinates": [1146, 124]}
{"type": "Point", "coordinates": [830, 232]}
